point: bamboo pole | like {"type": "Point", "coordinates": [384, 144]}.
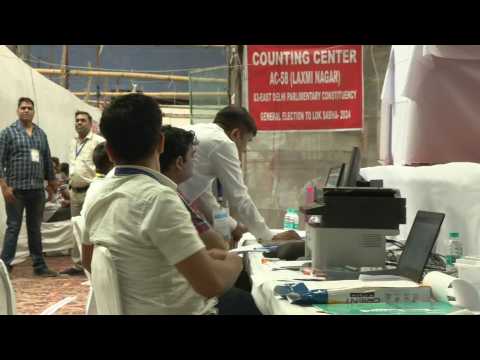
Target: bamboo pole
{"type": "Point", "coordinates": [64, 70]}
{"type": "Point", "coordinates": [89, 85]}
{"type": "Point", "coordinates": [162, 95]}
{"type": "Point", "coordinates": [129, 75]}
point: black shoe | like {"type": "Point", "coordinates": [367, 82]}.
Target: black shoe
{"type": "Point", "coordinates": [72, 272]}
{"type": "Point", "coordinates": [45, 273]}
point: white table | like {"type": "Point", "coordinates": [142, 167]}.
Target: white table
{"type": "Point", "coordinates": [264, 281]}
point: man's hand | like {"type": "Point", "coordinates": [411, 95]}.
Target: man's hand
{"type": "Point", "coordinates": [52, 188]}
{"type": "Point", "coordinates": [238, 232]}
{"type": "Point", "coordinates": [217, 254]}
{"type": "Point", "coordinates": [51, 196]}
{"type": "Point", "coordinates": [286, 235]}
{"type": "Point", "coordinates": [223, 255]}
{"type": "Point", "coordinates": [7, 192]}
{"type": "Point", "coordinates": [53, 185]}
{"type": "Point", "coordinates": [236, 260]}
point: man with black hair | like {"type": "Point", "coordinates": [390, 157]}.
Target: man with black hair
{"type": "Point", "coordinates": [82, 173]}
{"type": "Point", "coordinates": [218, 157]}
{"type": "Point", "coordinates": [25, 163]}
{"type": "Point", "coordinates": [162, 264]}
{"type": "Point", "coordinates": [176, 162]}
{"type": "Point", "coordinates": [65, 170]}
{"type": "Point", "coordinates": [102, 162]}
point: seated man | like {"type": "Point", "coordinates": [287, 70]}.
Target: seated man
{"type": "Point", "coordinates": [64, 172]}
{"type": "Point", "coordinates": [162, 264]}
{"type": "Point", "coordinates": [57, 207]}
{"type": "Point", "coordinates": [176, 162]}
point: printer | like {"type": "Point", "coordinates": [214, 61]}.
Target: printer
{"type": "Point", "coordinates": [347, 226]}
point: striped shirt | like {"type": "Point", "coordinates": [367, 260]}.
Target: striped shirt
{"type": "Point", "coordinates": [198, 221]}
{"type": "Point", "coordinates": [17, 165]}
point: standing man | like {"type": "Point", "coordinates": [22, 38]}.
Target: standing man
{"type": "Point", "coordinates": [25, 163]}
{"type": "Point", "coordinates": [82, 173]}
{"type": "Point", "coordinates": [218, 157]}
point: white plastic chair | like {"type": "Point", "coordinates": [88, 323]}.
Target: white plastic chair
{"type": "Point", "coordinates": [91, 306]}
{"type": "Point", "coordinates": [78, 226]}
{"type": "Point", "coordinates": [104, 281]}
{"type": "Point", "coordinates": [7, 295]}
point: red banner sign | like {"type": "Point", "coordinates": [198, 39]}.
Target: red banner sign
{"type": "Point", "coordinates": [305, 87]}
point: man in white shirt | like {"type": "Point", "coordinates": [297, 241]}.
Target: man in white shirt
{"type": "Point", "coordinates": [218, 157]}
{"type": "Point", "coordinates": [162, 265]}
{"type": "Point", "coordinates": [82, 173]}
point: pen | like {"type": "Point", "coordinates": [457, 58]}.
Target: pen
{"type": "Point", "coordinates": [309, 279]}
{"type": "Point", "coordinates": [297, 280]}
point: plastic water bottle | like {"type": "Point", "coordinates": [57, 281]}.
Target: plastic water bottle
{"type": "Point", "coordinates": [455, 250]}
{"type": "Point", "coordinates": [309, 194]}
{"type": "Point", "coordinates": [295, 219]}
{"type": "Point", "coordinates": [288, 220]}
{"type": "Point", "coordinates": [221, 221]}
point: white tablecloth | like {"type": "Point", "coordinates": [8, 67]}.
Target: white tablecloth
{"type": "Point", "coordinates": [56, 236]}
{"type": "Point", "coordinates": [452, 189]}
{"type": "Point", "coordinates": [264, 282]}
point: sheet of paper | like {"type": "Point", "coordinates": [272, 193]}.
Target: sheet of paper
{"type": "Point", "coordinates": [248, 237]}
{"type": "Point", "coordinates": [466, 295]}
{"type": "Point", "coordinates": [439, 283]}
{"type": "Point", "coordinates": [444, 285]}
{"type": "Point", "coordinates": [246, 248]}
{"type": "Point", "coordinates": [365, 277]}
{"type": "Point", "coordinates": [283, 263]}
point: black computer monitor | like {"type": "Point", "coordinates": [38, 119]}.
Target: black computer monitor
{"type": "Point", "coordinates": [335, 176]}
{"type": "Point", "coordinates": [352, 171]}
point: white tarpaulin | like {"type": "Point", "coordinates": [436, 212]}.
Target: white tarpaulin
{"type": "Point", "coordinates": [430, 105]}
{"type": "Point", "coordinates": [54, 112]}
{"type": "Point", "coordinates": [452, 189]}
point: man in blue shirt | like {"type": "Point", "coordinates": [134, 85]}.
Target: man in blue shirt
{"type": "Point", "coordinates": [25, 163]}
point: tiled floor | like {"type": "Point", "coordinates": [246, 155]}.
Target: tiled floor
{"type": "Point", "coordinates": [35, 294]}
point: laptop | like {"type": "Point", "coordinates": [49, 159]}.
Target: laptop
{"type": "Point", "coordinates": [414, 258]}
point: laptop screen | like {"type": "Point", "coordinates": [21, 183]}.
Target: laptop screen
{"type": "Point", "coordinates": [420, 241]}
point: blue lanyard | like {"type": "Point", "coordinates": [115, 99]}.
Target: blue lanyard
{"type": "Point", "coordinates": [78, 151]}
{"type": "Point", "coordinates": [124, 171]}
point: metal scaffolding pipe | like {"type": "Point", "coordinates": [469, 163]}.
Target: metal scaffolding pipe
{"type": "Point", "coordinates": [126, 74]}
{"type": "Point", "coordinates": [162, 95]}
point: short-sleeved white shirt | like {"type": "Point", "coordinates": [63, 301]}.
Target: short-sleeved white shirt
{"type": "Point", "coordinates": [148, 230]}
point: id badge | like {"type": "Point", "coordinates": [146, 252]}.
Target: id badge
{"type": "Point", "coordinates": [35, 155]}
